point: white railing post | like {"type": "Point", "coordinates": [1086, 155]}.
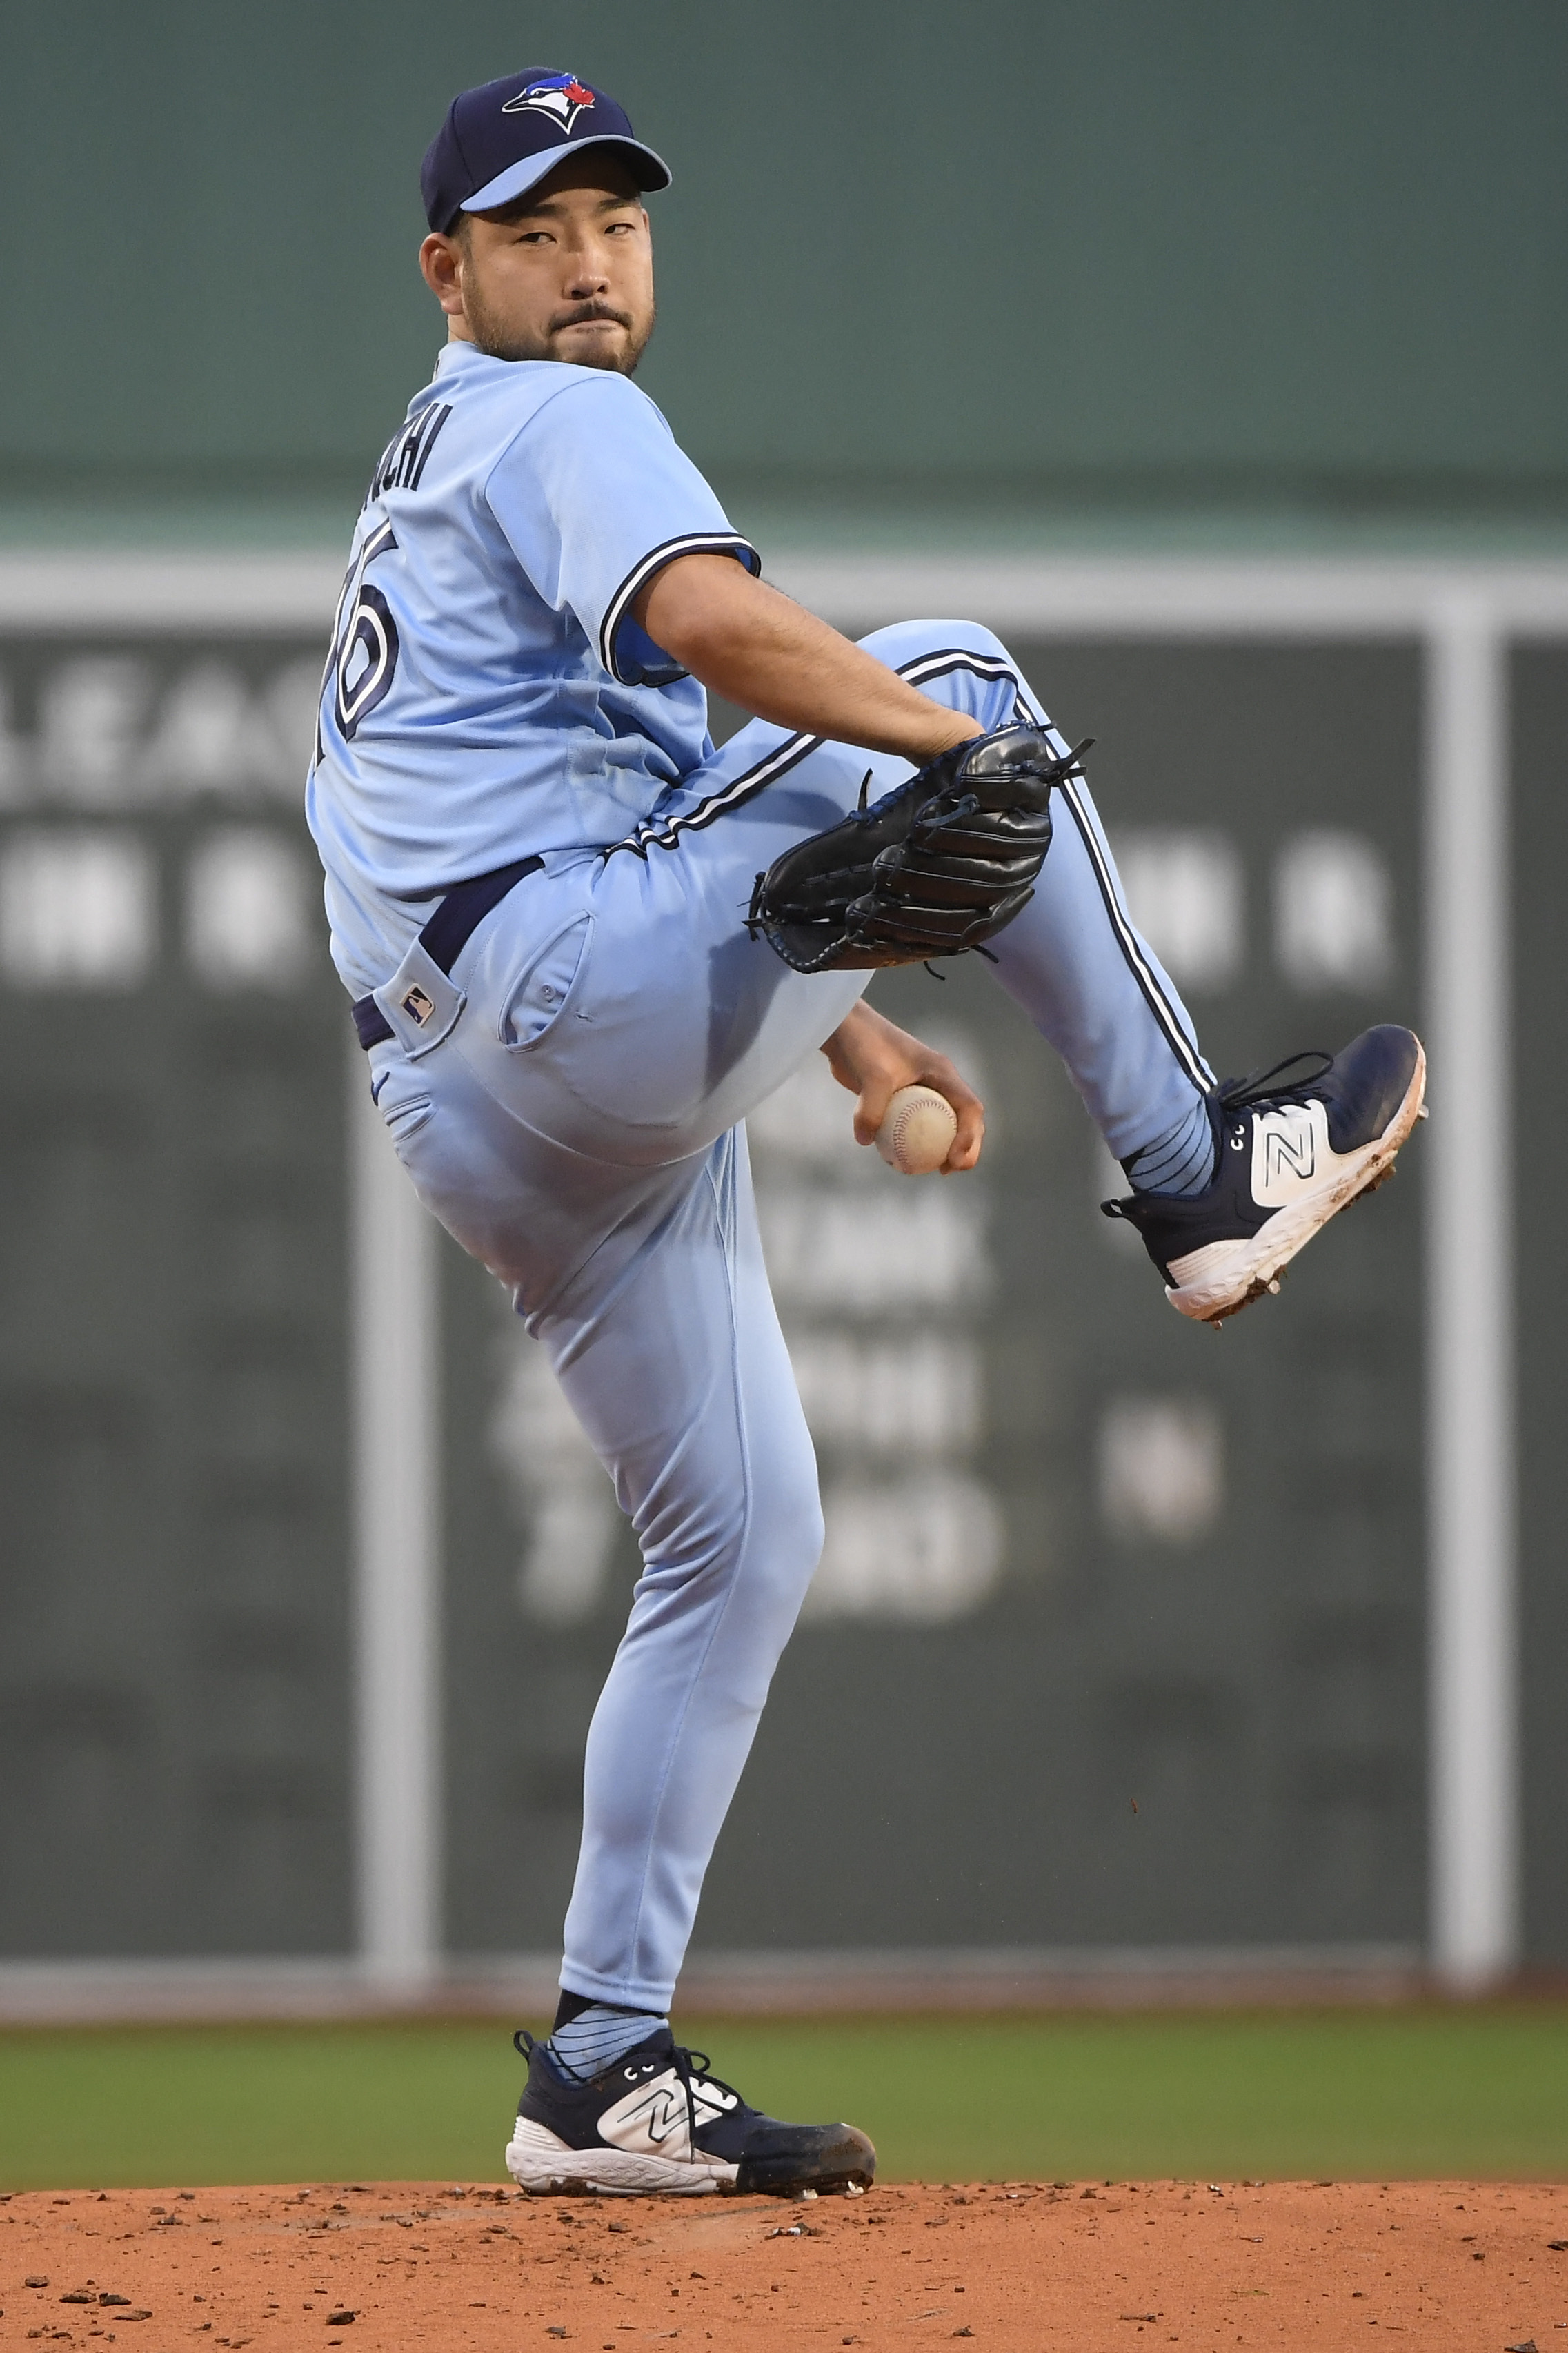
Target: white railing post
{"type": "Point", "coordinates": [1474, 1678]}
{"type": "Point", "coordinates": [397, 1389]}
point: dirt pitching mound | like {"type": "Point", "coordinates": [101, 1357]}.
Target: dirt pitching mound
{"type": "Point", "coordinates": [1012, 2266]}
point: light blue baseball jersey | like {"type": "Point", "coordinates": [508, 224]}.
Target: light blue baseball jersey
{"type": "Point", "coordinates": [489, 694]}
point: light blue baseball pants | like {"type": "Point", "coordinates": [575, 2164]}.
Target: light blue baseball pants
{"type": "Point", "coordinates": [573, 1114]}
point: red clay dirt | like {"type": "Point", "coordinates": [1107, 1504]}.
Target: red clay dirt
{"type": "Point", "coordinates": [1012, 2266]}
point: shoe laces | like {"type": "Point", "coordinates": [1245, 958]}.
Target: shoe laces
{"type": "Point", "coordinates": [690, 2066]}
{"type": "Point", "coordinates": [696, 2067]}
{"type": "Point", "coordinates": [1257, 1092]}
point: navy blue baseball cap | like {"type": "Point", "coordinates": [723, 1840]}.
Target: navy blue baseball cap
{"type": "Point", "coordinates": [498, 139]}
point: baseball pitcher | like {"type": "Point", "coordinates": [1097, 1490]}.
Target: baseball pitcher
{"type": "Point", "coordinates": [582, 945]}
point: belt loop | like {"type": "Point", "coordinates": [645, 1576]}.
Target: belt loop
{"type": "Point", "coordinates": [408, 1002]}
{"type": "Point", "coordinates": [419, 1003]}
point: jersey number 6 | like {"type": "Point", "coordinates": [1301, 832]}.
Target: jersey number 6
{"type": "Point", "coordinates": [364, 652]}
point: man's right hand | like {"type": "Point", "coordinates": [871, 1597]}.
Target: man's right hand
{"type": "Point", "coordinates": [874, 1058]}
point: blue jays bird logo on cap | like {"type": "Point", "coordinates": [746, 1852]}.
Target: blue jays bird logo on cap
{"type": "Point", "coordinates": [561, 97]}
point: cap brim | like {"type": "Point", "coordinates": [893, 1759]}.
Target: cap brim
{"type": "Point", "coordinates": [649, 170]}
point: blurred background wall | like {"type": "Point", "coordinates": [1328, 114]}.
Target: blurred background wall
{"type": "Point", "coordinates": [1122, 1651]}
{"type": "Point", "coordinates": [1013, 266]}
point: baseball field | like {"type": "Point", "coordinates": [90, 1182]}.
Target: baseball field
{"type": "Point", "coordinates": [1371, 2094]}
{"type": "Point", "coordinates": [1214, 2180]}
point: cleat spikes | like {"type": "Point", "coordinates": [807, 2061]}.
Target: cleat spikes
{"type": "Point", "coordinates": [658, 2123]}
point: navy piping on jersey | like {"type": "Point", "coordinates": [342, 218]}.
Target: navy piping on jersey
{"type": "Point", "coordinates": [1186, 1053]}
{"type": "Point", "coordinates": [1192, 1062]}
{"type": "Point", "coordinates": [938, 665]}
{"type": "Point", "coordinates": [651, 836]}
{"type": "Point", "coordinates": [691, 543]}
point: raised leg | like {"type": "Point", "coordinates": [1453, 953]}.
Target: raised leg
{"type": "Point", "coordinates": [1073, 959]}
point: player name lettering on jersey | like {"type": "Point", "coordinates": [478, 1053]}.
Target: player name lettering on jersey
{"type": "Point", "coordinates": [405, 456]}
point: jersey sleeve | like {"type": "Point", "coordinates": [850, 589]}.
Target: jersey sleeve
{"type": "Point", "coordinates": [594, 498]}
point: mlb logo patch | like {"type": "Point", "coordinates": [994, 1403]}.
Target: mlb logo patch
{"type": "Point", "coordinates": [417, 1007]}
{"type": "Point", "coordinates": [560, 98]}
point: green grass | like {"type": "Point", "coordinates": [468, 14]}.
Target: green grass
{"type": "Point", "coordinates": [1377, 2096]}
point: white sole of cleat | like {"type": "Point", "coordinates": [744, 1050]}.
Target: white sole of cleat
{"type": "Point", "coordinates": [539, 2161]}
{"type": "Point", "coordinates": [1223, 1278]}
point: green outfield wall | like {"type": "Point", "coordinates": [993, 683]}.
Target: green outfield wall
{"type": "Point", "coordinates": [1107, 255]}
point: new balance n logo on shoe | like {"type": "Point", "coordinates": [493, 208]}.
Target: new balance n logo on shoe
{"type": "Point", "coordinates": [1286, 1146]}
{"type": "Point", "coordinates": [655, 2117]}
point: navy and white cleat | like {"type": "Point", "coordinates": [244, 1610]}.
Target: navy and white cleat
{"type": "Point", "coordinates": [658, 2125]}
{"type": "Point", "coordinates": [1288, 1156]}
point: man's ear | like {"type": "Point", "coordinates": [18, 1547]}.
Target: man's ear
{"type": "Point", "coordinates": [440, 263]}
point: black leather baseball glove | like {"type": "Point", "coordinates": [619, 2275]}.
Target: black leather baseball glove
{"type": "Point", "coordinates": [933, 868]}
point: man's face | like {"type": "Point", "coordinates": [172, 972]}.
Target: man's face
{"type": "Point", "coordinates": [564, 273]}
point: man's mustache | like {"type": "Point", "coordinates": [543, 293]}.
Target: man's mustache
{"type": "Point", "coordinates": [586, 311]}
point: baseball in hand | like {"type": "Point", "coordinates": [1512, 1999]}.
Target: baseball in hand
{"type": "Point", "coordinates": [917, 1134]}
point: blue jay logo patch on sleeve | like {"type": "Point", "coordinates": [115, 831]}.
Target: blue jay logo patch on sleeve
{"type": "Point", "coordinates": [561, 97]}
